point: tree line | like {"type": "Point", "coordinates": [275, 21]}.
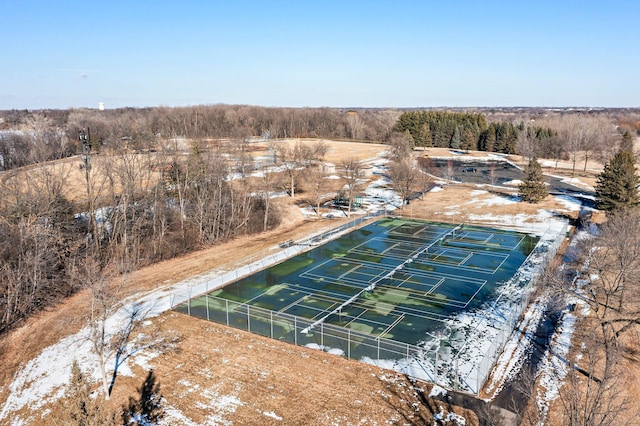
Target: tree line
{"type": "Point", "coordinates": [28, 137]}
{"type": "Point", "coordinates": [467, 131]}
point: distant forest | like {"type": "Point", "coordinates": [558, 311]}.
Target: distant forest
{"type": "Point", "coordinates": [28, 137]}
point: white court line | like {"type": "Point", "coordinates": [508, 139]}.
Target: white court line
{"type": "Point", "coordinates": [484, 270]}
{"type": "Point", "coordinates": [465, 259]}
{"type": "Point", "coordinates": [392, 325]}
{"type": "Point", "coordinates": [349, 271]}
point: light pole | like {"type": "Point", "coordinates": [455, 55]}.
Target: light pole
{"type": "Point", "coordinates": [85, 140]}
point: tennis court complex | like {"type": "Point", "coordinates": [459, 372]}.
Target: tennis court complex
{"type": "Point", "coordinates": [394, 279]}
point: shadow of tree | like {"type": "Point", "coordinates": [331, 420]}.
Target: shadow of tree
{"type": "Point", "coordinates": [147, 408]}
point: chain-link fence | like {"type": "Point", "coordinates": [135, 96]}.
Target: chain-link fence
{"type": "Point", "coordinates": [266, 259]}
{"type": "Point", "coordinates": [475, 358]}
{"type": "Point", "coordinates": [462, 360]}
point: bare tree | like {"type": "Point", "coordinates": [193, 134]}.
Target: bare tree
{"type": "Point", "coordinates": [316, 186]}
{"type": "Point", "coordinates": [129, 177]}
{"type": "Point", "coordinates": [493, 177]}
{"type": "Point", "coordinates": [400, 146]}
{"type": "Point", "coordinates": [34, 241]}
{"type": "Point", "coordinates": [578, 135]}
{"type": "Point", "coordinates": [405, 178]}
{"type": "Point", "coordinates": [111, 343]}
{"type": "Point", "coordinates": [526, 143]}
{"type": "Point", "coordinates": [286, 158]}
{"type": "Point", "coordinates": [269, 181]}
{"type": "Point", "coordinates": [388, 118]}
{"type": "Point", "coordinates": [297, 158]}
{"type": "Point", "coordinates": [352, 176]}
{"type": "Point", "coordinates": [355, 124]}
{"type": "Point", "coordinates": [447, 172]}
{"type": "Point", "coordinates": [593, 392]}
{"type": "Point", "coordinates": [609, 284]}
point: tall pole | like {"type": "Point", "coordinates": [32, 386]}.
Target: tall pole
{"type": "Point", "coordinates": [84, 137]}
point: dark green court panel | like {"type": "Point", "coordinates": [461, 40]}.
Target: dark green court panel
{"type": "Point", "coordinates": [395, 278]}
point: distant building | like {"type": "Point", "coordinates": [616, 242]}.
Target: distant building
{"type": "Point", "coordinates": [328, 168]}
{"type": "Point", "coordinates": [366, 171]}
{"type": "Point", "coordinates": [101, 106]}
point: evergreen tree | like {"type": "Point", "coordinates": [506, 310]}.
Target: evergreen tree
{"type": "Point", "coordinates": [80, 407]}
{"type": "Point", "coordinates": [424, 136]}
{"type": "Point", "coordinates": [617, 185]}
{"type": "Point", "coordinates": [438, 128]}
{"type": "Point", "coordinates": [533, 188]}
{"type": "Point", "coordinates": [627, 142]}
{"type": "Point", "coordinates": [455, 139]}
{"type": "Point", "coordinates": [488, 142]}
{"type": "Point", "coordinates": [469, 139]}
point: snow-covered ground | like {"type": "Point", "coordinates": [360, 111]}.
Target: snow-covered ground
{"type": "Point", "coordinates": [44, 378]}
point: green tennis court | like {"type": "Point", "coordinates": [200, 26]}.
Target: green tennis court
{"type": "Point", "coordinates": [397, 279]}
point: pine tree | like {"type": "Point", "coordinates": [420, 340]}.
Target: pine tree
{"type": "Point", "coordinates": [455, 139]}
{"type": "Point", "coordinates": [617, 185]}
{"type": "Point", "coordinates": [79, 407]}
{"type": "Point", "coordinates": [533, 188]}
{"type": "Point", "coordinates": [469, 140]}
{"type": "Point", "coordinates": [424, 136]}
{"type": "Point", "coordinates": [627, 142]}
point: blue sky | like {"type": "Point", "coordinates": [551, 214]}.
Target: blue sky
{"type": "Point", "coordinates": [62, 54]}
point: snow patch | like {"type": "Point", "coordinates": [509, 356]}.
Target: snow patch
{"type": "Point", "coordinates": [272, 415]}
{"type": "Point", "coordinates": [437, 391]}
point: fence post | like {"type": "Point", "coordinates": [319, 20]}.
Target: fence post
{"type": "Point", "coordinates": [271, 322]}
{"type": "Point", "coordinates": [226, 305]}
{"type": "Point", "coordinates": [295, 331]}
{"type": "Point", "coordinates": [206, 299]}
{"type": "Point", "coordinates": [349, 344]}
{"type": "Point", "coordinates": [322, 336]}
{"type": "Point", "coordinates": [456, 383]}
{"type": "Point", "coordinates": [189, 304]}
{"type": "Point", "coordinates": [248, 320]}
{"type": "Point", "coordinates": [478, 385]}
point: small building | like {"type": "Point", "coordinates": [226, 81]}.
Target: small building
{"type": "Point", "coordinates": [327, 168]}
{"type": "Point", "coordinates": [366, 171]}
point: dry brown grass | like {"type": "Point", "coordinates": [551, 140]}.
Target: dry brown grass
{"type": "Point", "coordinates": [302, 386]}
{"type": "Point", "coordinates": [339, 151]}
{"type": "Point", "coordinates": [627, 384]}
{"type": "Point", "coordinates": [456, 204]}
{"type": "Point", "coordinates": [299, 385]}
